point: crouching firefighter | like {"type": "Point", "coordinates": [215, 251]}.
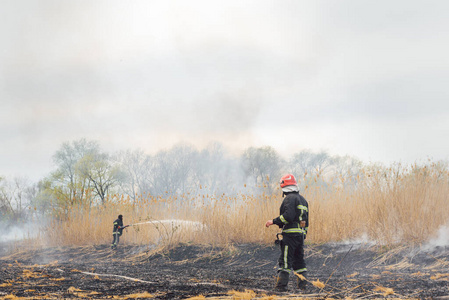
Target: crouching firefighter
{"type": "Point", "coordinates": [294, 221]}
{"type": "Point", "coordinates": [117, 231]}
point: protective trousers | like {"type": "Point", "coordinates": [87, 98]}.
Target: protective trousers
{"type": "Point", "coordinates": [291, 258]}
{"type": "Point", "coordinates": [116, 238]}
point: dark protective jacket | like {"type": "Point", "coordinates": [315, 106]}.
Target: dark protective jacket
{"type": "Point", "coordinates": [293, 209]}
{"type": "Point", "coordinates": [118, 226]}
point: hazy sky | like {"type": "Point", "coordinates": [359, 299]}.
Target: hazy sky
{"type": "Point", "coordinates": [364, 78]}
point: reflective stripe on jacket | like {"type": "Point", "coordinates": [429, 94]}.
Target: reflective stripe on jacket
{"type": "Point", "coordinates": [118, 223]}
{"type": "Point", "coordinates": [293, 210]}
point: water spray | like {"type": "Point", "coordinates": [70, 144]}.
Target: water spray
{"type": "Point", "coordinates": [135, 224]}
{"type": "Point", "coordinates": [172, 221]}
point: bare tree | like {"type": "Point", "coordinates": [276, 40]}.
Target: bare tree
{"type": "Point", "coordinates": [215, 172]}
{"type": "Point", "coordinates": [307, 163]}
{"type": "Point", "coordinates": [262, 166]}
{"type": "Point", "coordinates": [136, 167]}
{"type": "Point", "coordinates": [173, 170]}
{"type": "Point", "coordinates": [6, 206]}
{"type": "Point", "coordinates": [69, 185]}
{"type": "Point", "coordinates": [101, 173]}
{"type": "Point", "coordinates": [16, 196]}
{"type": "Point", "coordinates": [347, 169]}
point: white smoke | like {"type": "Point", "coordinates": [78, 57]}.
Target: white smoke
{"type": "Point", "coordinates": [361, 242]}
{"type": "Point", "coordinates": [18, 232]}
{"type": "Point", "coordinates": [440, 240]}
{"type": "Point", "coordinates": [363, 239]}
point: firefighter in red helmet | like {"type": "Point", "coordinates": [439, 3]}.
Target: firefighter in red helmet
{"type": "Point", "coordinates": [294, 221]}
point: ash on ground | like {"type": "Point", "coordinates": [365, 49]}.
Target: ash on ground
{"type": "Point", "coordinates": [132, 272]}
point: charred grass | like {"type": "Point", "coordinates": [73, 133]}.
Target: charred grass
{"type": "Point", "coordinates": [240, 271]}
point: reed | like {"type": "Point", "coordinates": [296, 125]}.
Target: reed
{"type": "Point", "coordinates": [387, 206]}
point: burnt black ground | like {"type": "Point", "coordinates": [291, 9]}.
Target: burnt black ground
{"type": "Point", "coordinates": [355, 271]}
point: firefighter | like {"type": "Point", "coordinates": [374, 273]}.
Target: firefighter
{"type": "Point", "coordinates": [117, 231]}
{"type": "Point", "coordinates": [294, 221]}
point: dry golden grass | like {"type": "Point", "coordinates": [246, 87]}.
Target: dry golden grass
{"type": "Point", "coordinates": [389, 206]}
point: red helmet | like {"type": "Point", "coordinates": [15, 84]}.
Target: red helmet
{"type": "Point", "coordinates": [288, 179]}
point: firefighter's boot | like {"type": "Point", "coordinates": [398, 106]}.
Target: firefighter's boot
{"type": "Point", "coordinates": [281, 281]}
{"type": "Point", "coordinates": [301, 283]}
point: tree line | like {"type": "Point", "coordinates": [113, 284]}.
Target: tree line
{"type": "Point", "coordinates": [86, 175]}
